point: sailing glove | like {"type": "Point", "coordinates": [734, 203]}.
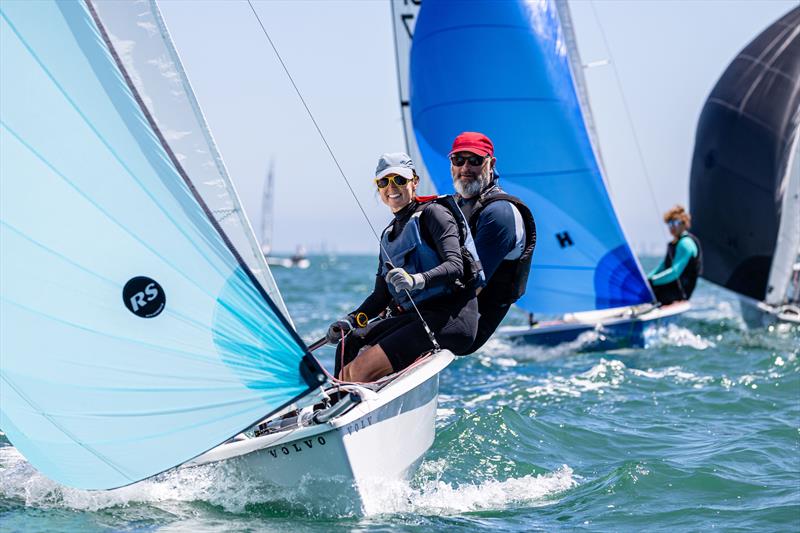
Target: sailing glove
{"type": "Point", "coordinates": [403, 281]}
{"type": "Point", "coordinates": [339, 328]}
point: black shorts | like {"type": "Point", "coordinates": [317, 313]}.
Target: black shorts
{"type": "Point", "coordinates": [491, 314]}
{"type": "Point", "coordinates": [667, 293]}
{"type": "Point", "coordinates": [452, 318]}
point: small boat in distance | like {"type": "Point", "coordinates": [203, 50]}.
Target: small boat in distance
{"type": "Point", "coordinates": [532, 102]}
{"type": "Point", "coordinates": [745, 181]}
{"type": "Point", "coordinates": [298, 259]}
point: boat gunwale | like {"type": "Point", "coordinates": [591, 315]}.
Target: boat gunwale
{"type": "Point", "coordinates": [427, 368]}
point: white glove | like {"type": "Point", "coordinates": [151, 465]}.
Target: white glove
{"type": "Point", "coordinates": [403, 281]}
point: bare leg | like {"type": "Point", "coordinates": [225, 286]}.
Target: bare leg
{"type": "Point", "coordinates": [369, 365]}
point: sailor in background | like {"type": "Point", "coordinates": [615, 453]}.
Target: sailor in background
{"type": "Point", "coordinates": [503, 228]}
{"type": "Point", "coordinates": [676, 276]}
{"type": "Point", "coordinates": [424, 253]}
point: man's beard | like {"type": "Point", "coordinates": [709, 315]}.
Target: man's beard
{"type": "Point", "coordinates": [472, 187]}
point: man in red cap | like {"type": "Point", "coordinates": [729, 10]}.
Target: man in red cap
{"type": "Point", "coordinates": [502, 226]}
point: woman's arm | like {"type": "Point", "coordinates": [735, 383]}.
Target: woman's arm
{"type": "Point", "coordinates": [438, 224]}
{"type": "Point", "coordinates": [685, 250]}
{"type": "Point", "coordinates": [380, 298]}
{"type": "Point", "coordinates": [656, 270]}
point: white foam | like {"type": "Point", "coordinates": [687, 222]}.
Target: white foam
{"type": "Point", "coordinates": [674, 335]}
{"type": "Point", "coordinates": [215, 484]}
{"type": "Point", "coordinates": [232, 490]}
{"type": "Point", "coordinates": [436, 497]}
{"type": "Point", "coordinates": [505, 352]}
{"type": "Point", "coordinates": [675, 372]}
{"type": "Point", "coordinates": [604, 375]}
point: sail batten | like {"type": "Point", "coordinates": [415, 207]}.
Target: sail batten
{"type": "Point", "coordinates": [137, 330]}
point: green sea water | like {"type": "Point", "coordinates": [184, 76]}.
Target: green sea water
{"type": "Point", "coordinates": [699, 430]}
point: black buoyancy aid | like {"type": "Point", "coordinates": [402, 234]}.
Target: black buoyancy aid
{"type": "Point", "coordinates": [509, 281]}
{"type": "Point", "coordinates": [687, 281]}
{"type": "Point", "coordinates": [409, 251]}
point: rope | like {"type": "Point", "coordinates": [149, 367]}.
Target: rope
{"type": "Point", "coordinates": [338, 166]}
{"type": "Point", "coordinates": [627, 114]}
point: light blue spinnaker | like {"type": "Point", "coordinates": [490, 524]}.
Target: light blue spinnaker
{"type": "Point", "coordinates": [502, 68]}
{"type": "Point", "coordinates": [133, 334]}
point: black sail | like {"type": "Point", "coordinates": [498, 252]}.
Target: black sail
{"type": "Point", "coordinates": [742, 148]}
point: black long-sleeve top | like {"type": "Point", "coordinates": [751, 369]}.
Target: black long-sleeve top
{"type": "Point", "coordinates": [439, 230]}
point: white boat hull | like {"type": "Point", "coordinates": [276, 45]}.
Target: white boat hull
{"type": "Point", "coordinates": [382, 438]}
{"type": "Point", "coordinates": [758, 314]}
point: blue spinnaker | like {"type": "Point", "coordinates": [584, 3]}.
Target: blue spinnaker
{"type": "Point", "coordinates": [502, 68]}
{"type": "Point", "coordinates": [133, 335]}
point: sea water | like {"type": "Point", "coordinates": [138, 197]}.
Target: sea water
{"type": "Point", "coordinates": [699, 430]}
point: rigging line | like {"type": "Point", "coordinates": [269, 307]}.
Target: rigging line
{"type": "Point", "coordinates": [628, 114]}
{"type": "Point", "coordinates": [338, 166]}
{"type": "Point", "coordinates": [311, 116]}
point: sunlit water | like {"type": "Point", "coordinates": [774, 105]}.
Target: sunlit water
{"type": "Point", "coordinates": [700, 430]}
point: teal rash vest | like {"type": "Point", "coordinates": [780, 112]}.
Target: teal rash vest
{"type": "Point", "coordinates": [685, 250]}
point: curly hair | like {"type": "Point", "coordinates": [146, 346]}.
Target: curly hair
{"type": "Point", "coordinates": [678, 213]}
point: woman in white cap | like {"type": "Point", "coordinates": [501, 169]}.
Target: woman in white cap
{"type": "Point", "coordinates": [422, 258]}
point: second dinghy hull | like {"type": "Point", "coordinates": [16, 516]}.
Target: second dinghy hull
{"type": "Point", "coordinates": [597, 330]}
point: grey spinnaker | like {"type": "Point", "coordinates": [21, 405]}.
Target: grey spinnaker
{"type": "Point", "coordinates": [743, 191]}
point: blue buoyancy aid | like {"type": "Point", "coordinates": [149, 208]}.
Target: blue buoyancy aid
{"type": "Point", "coordinates": [409, 251]}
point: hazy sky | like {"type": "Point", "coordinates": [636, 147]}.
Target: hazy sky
{"type": "Point", "coordinates": [667, 54]}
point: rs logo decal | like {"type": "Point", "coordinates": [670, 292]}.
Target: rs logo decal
{"type": "Point", "coordinates": [144, 297]}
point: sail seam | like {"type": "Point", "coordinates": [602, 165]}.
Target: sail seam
{"type": "Point", "coordinates": [550, 172]}
{"type": "Point", "coordinates": [525, 29]}
{"type": "Point", "coordinates": [484, 100]}
{"type": "Point", "coordinates": [198, 198]}
{"type": "Point", "coordinates": [65, 431]}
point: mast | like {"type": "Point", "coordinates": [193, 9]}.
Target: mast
{"type": "Point", "coordinates": [576, 65]}
{"type": "Point", "coordinates": [404, 21]}
{"type": "Point", "coordinates": [786, 260]}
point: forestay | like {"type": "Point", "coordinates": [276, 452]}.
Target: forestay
{"type": "Point", "coordinates": [503, 68]}
{"type": "Point", "coordinates": [134, 335]}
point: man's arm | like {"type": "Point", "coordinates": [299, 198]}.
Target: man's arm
{"type": "Point", "coordinates": [495, 235]}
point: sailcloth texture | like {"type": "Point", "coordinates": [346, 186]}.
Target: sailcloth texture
{"type": "Point", "coordinates": [135, 332]}
{"type": "Point", "coordinates": [519, 90]}
{"type": "Point", "coordinates": [745, 178]}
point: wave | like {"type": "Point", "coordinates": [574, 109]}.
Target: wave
{"type": "Point", "coordinates": [235, 492]}
{"type": "Point", "coordinates": [436, 497]}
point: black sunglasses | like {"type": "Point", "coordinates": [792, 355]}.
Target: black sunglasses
{"type": "Point", "coordinates": [473, 160]}
{"type": "Point", "coordinates": [399, 181]}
